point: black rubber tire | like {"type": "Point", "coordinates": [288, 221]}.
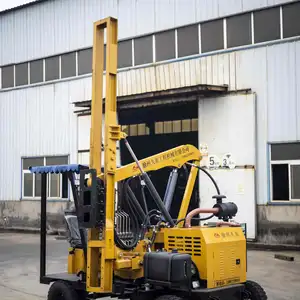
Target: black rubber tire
{"type": "Point", "coordinates": [168, 297]}
{"type": "Point", "coordinates": [255, 290]}
{"type": "Point", "coordinates": [61, 290]}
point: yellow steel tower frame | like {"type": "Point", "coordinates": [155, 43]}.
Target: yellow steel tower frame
{"type": "Point", "coordinates": [101, 254]}
{"type": "Point", "coordinates": [103, 267]}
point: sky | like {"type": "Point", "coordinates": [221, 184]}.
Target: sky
{"type": "Point", "coordinates": [6, 4]}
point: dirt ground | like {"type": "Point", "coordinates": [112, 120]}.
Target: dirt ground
{"type": "Point", "coordinates": [19, 269]}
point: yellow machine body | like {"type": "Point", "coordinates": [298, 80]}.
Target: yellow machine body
{"type": "Point", "coordinates": [219, 253]}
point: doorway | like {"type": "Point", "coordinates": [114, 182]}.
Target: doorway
{"type": "Point", "coordinates": [154, 129]}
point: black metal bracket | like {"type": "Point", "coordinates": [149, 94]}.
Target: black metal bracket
{"type": "Point", "coordinates": [43, 230]}
{"type": "Point", "coordinates": [91, 211]}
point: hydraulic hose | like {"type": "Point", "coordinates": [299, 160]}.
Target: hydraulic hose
{"type": "Point", "coordinates": [150, 214]}
{"type": "Point", "coordinates": [135, 223]}
{"type": "Point", "coordinates": [131, 198]}
{"type": "Point", "coordinates": [209, 175]}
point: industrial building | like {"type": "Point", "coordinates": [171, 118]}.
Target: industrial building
{"type": "Point", "coordinates": [219, 73]}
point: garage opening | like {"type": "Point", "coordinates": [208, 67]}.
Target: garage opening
{"type": "Point", "coordinates": [156, 121]}
{"type": "Point", "coordinates": [155, 129]}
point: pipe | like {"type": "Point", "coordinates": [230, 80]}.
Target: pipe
{"type": "Point", "coordinates": [199, 211]}
{"type": "Point", "coordinates": [168, 186]}
{"type": "Point", "coordinates": [230, 224]}
{"type": "Point", "coordinates": [170, 189]}
{"type": "Point", "coordinates": [143, 184]}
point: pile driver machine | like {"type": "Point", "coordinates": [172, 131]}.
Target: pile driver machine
{"type": "Point", "coordinates": [118, 247]}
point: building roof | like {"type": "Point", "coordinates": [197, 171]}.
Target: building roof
{"type": "Point", "coordinates": [31, 3]}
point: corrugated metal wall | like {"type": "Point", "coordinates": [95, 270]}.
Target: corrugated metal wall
{"type": "Point", "coordinates": [35, 121]}
{"type": "Point", "coordinates": [57, 26]}
{"type": "Point", "coordinates": [39, 120]}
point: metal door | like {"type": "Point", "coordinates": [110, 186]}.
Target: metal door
{"type": "Point", "coordinates": [227, 126]}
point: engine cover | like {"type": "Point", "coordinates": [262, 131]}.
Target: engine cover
{"type": "Point", "coordinates": [168, 269]}
{"type": "Point", "coordinates": [218, 252]}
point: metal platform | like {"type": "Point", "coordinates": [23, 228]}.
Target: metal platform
{"type": "Point", "coordinates": [70, 278]}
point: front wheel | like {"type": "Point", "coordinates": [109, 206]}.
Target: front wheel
{"type": "Point", "coordinates": [254, 291]}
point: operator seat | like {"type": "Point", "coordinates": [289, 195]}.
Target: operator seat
{"type": "Point", "coordinates": [73, 229]}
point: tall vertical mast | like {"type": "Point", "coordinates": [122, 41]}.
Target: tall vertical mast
{"type": "Point", "coordinates": [106, 247]}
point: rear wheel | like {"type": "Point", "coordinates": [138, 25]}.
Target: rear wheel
{"type": "Point", "coordinates": [61, 290]}
{"type": "Point", "coordinates": [254, 291]}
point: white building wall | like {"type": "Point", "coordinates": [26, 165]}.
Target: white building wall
{"type": "Point", "coordinates": [34, 122]}
{"type": "Point", "coordinates": [39, 120]}
{"type": "Point", "coordinates": [57, 26]}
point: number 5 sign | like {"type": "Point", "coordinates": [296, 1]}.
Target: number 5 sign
{"type": "Point", "coordinates": [213, 162]}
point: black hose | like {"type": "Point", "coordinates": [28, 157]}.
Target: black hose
{"type": "Point", "coordinates": [212, 179]}
{"type": "Point", "coordinates": [150, 214]}
{"type": "Point", "coordinates": [135, 203]}
{"type": "Point", "coordinates": [135, 224]}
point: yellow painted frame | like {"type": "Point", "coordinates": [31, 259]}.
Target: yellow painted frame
{"type": "Point", "coordinates": [101, 254]}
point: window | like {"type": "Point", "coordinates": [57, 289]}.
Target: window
{"type": "Point", "coordinates": [285, 171]}
{"type": "Point", "coordinates": [85, 59]}
{"type": "Point", "coordinates": [125, 54]}
{"type": "Point", "coordinates": [52, 68]}
{"type": "Point", "coordinates": [176, 126]}
{"type": "Point", "coordinates": [188, 40]}
{"type": "Point", "coordinates": [36, 71]}
{"type": "Point", "coordinates": [267, 25]}
{"type": "Point", "coordinates": [7, 77]}
{"type": "Point", "coordinates": [22, 74]}
{"type": "Point", "coordinates": [57, 185]}
{"type": "Point", "coordinates": [143, 50]}
{"type": "Point", "coordinates": [212, 36]}
{"type": "Point", "coordinates": [165, 45]}
{"type": "Point", "coordinates": [291, 24]}
{"type": "Point", "coordinates": [239, 30]}
{"type": "Point", "coordinates": [136, 129]}
{"type": "Point", "coordinates": [68, 65]}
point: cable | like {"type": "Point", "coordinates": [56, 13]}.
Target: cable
{"type": "Point", "coordinates": [207, 173]}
